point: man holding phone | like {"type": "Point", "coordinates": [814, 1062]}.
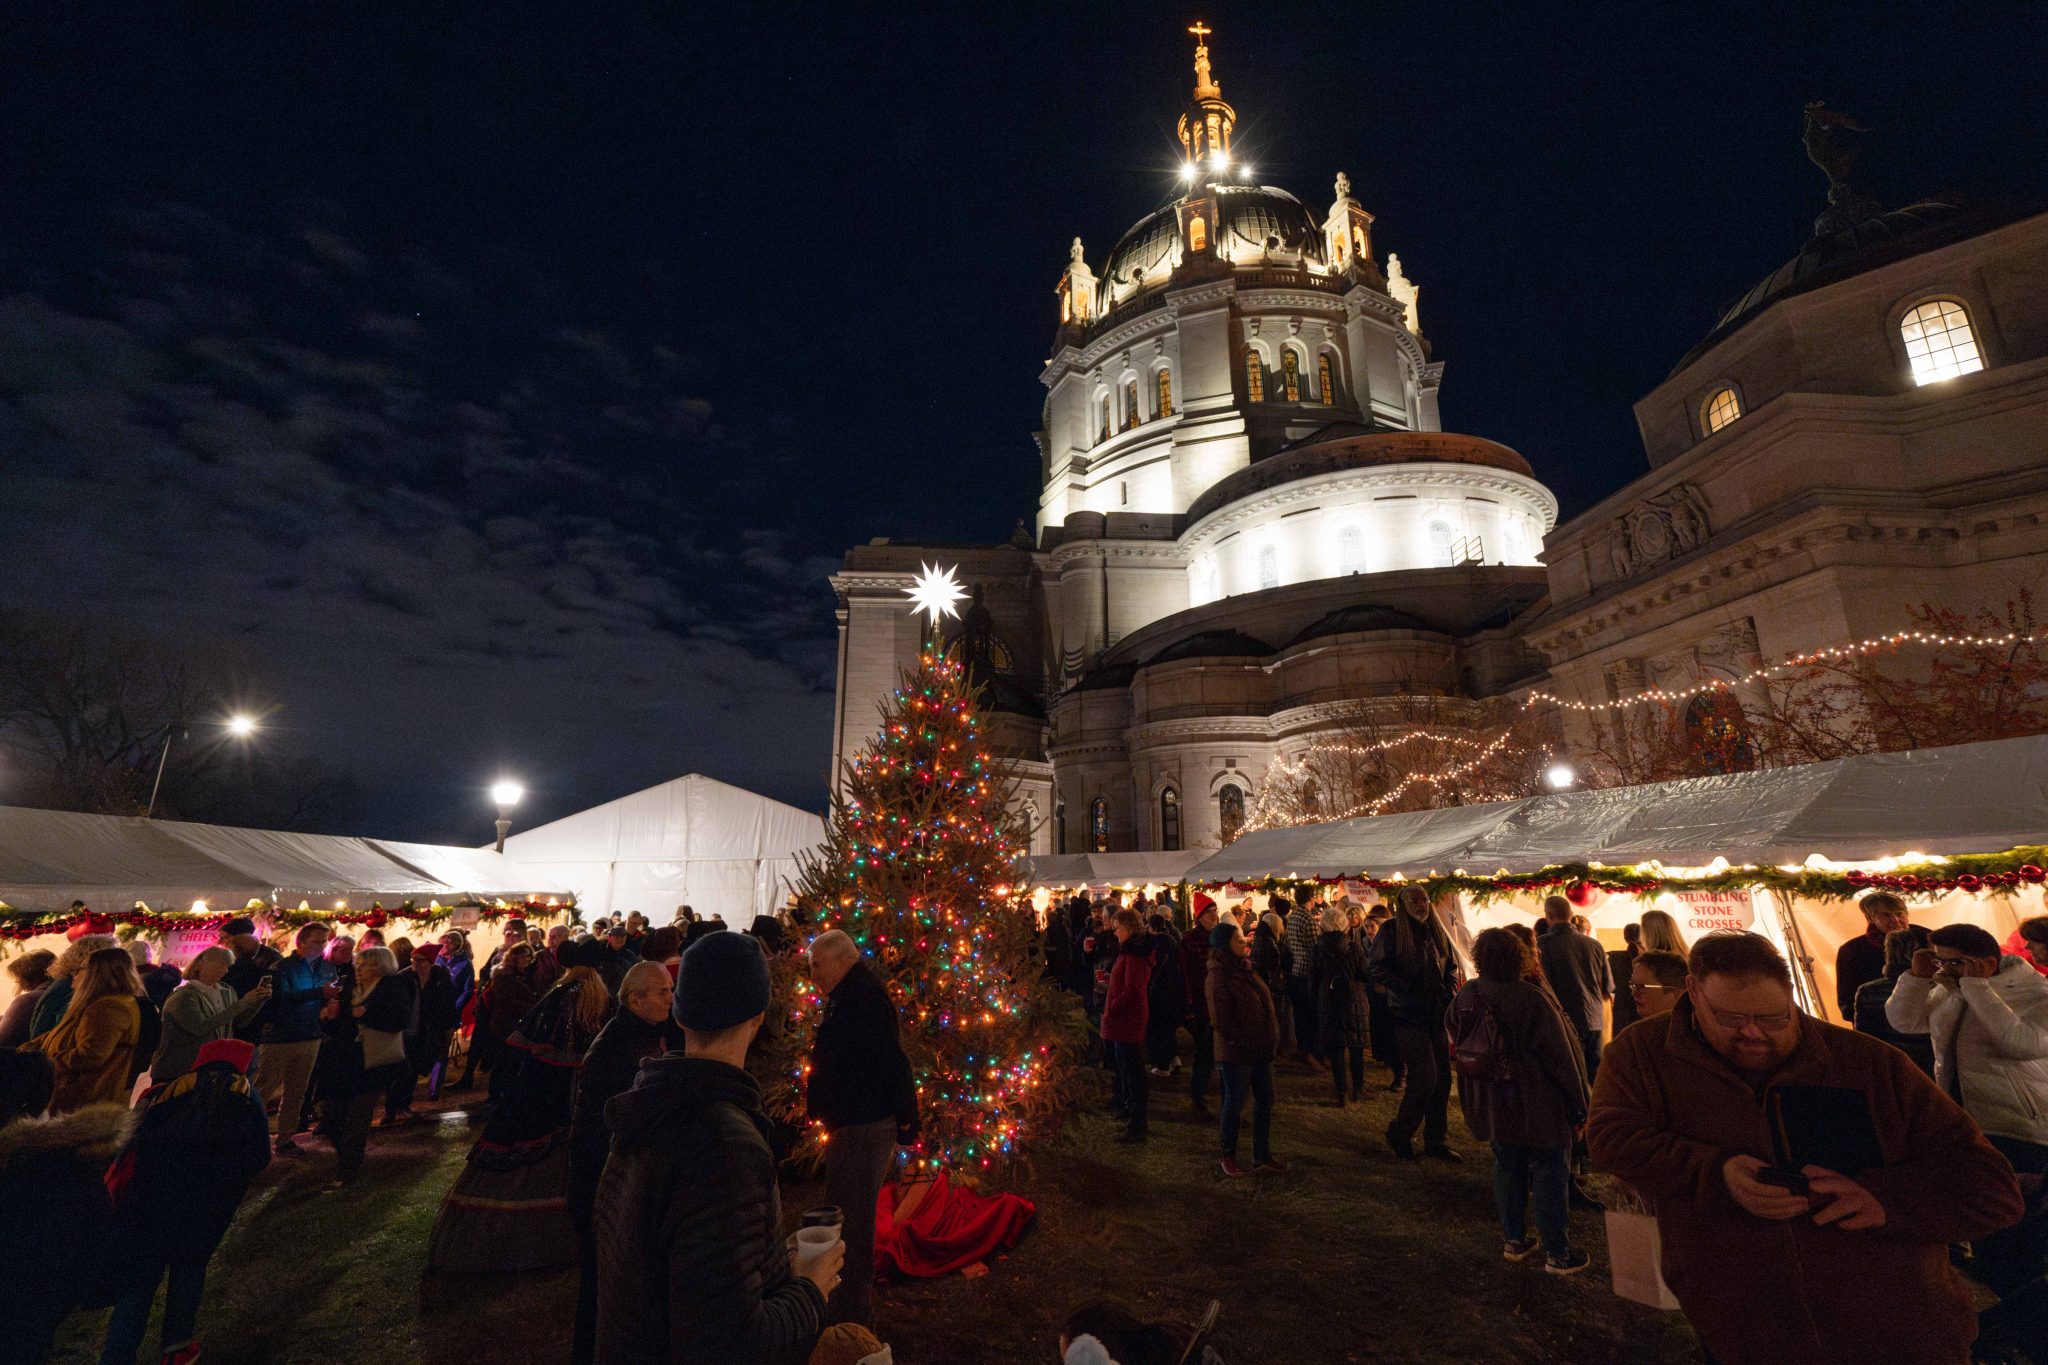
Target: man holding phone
{"type": "Point", "coordinates": [1694, 1109]}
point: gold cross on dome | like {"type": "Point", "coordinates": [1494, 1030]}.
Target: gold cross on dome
{"type": "Point", "coordinates": [1200, 30]}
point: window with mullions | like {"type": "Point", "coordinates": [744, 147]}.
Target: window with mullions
{"type": "Point", "coordinates": [1940, 343]}
{"type": "Point", "coordinates": [1166, 393]}
{"type": "Point", "coordinates": [1104, 434]}
{"type": "Point", "coordinates": [1098, 825]}
{"type": "Point", "coordinates": [1169, 821]}
{"type": "Point", "coordinates": [1325, 379]}
{"type": "Point", "coordinates": [1254, 378]}
{"type": "Point", "coordinates": [1131, 417]}
{"type": "Point", "coordinates": [1290, 375]}
{"type": "Point", "coordinates": [1059, 827]}
{"type": "Point", "coordinates": [1721, 408]}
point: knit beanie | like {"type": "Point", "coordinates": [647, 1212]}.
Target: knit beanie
{"type": "Point", "coordinates": [1220, 936]}
{"type": "Point", "coordinates": [723, 981]}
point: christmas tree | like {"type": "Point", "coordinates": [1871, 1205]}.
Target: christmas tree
{"type": "Point", "coordinates": [921, 866]}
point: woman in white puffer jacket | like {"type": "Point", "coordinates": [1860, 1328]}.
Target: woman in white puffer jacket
{"type": "Point", "coordinates": [1988, 1013]}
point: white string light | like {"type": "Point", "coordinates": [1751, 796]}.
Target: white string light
{"type": "Point", "coordinates": [1832, 654]}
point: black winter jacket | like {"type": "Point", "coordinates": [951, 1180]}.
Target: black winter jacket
{"type": "Point", "coordinates": [688, 1222]}
{"type": "Point", "coordinates": [1546, 1095]}
{"type": "Point", "coordinates": [200, 1139]}
{"type": "Point", "coordinates": [55, 1220]}
{"type": "Point", "coordinates": [1419, 982]}
{"type": "Point", "coordinates": [858, 1071]}
{"type": "Point", "coordinates": [608, 1069]}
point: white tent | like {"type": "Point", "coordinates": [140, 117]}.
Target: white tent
{"type": "Point", "coordinates": [48, 859]}
{"type": "Point", "coordinates": [1970, 798]}
{"type": "Point", "coordinates": [694, 840]}
{"type": "Point", "coordinates": [1102, 871]}
{"type": "Point", "coordinates": [1966, 799]}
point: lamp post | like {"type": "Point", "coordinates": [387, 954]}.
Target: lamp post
{"type": "Point", "coordinates": [239, 725]}
{"type": "Point", "coordinates": [505, 794]}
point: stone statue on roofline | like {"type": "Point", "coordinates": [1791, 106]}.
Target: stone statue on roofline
{"type": "Point", "coordinates": [1833, 143]}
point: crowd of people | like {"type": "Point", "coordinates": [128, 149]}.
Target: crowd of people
{"type": "Point", "coordinates": [623, 1130]}
{"type": "Point", "coordinates": [1945, 1048]}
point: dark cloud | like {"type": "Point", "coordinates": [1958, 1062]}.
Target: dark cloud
{"type": "Point", "coordinates": [442, 567]}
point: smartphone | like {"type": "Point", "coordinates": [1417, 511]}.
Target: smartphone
{"type": "Point", "coordinates": [269, 981]}
{"type": "Point", "coordinates": [1784, 1179]}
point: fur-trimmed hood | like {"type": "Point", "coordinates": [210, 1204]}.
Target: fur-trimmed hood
{"type": "Point", "coordinates": [95, 1133]}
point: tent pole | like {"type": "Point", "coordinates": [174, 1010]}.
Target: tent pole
{"type": "Point", "coordinates": [1802, 961]}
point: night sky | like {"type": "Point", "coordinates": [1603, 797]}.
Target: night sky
{"type": "Point", "coordinates": [508, 378]}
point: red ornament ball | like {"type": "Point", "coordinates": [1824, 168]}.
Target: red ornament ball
{"type": "Point", "coordinates": [1582, 894]}
{"type": "Point", "coordinates": [1856, 876]}
{"type": "Point", "coordinates": [1970, 881]}
{"type": "Point", "coordinates": [2031, 873]}
{"type": "Point", "coordinates": [375, 919]}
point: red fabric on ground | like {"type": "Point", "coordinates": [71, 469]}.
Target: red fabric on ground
{"type": "Point", "coordinates": [948, 1230]}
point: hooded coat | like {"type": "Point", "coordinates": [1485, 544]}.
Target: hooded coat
{"type": "Point", "coordinates": [1668, 1112]}
{"type": "Point", "coordinates": [1990, 1043]}
{"type": "Point", "coordinates": [689, 1227]}
{"type": "Point", "coordinates": [1241, 1011]}
{"type": "Point", "coordinates": [55, 1214]}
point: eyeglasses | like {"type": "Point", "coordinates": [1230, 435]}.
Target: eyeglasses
{"type": "Point", "coordinates": [1950, 964]}
{"type": "Point", "coordinates": [1734, 1019]}
{"type": "Point", "coordinates": [1635, 986]}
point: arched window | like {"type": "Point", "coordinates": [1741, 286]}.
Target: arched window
{"type": "Point", "coordinates": [1326, 386]}
{"type": "Point", "coordinates": [1198, 234]}
{"type": "Point", "coordinates": [1721, 408]}
{"type": "Point", "coordinates": [1290, 375]}
{"type": "Point", "coordinates": [1059, 827]}
{"type": "Point", "coordinates": [1165, 392]}
{"type": "Point", "coordinates": [1940, 342]}
{"type": "Point", "coordinates": [1717, 736]}
{"type": "Point", "coordinates": [1358, 240]}
{"type": "Point", "coordinates": [1169, 821]}
{"type": "Point", "coordinates": [1131, 417]}
{"type": "Point", "coordinates": [1104, 435]}
{"type": "Point", "coordinates": [1254, 378]}
{"type": "Point", "coordinates": [1351, 550]}
{"type": "Point", "coordinates": [1230, 811]}
{"type": "Point", "coordinates": [1269, 567]}
{"type": "Point", "coordinates": [1098, 825]}
{"type": "Point", "coordinates": [1442, 546]}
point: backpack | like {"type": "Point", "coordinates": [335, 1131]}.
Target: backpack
{"type": "Point", "coordinates": [1480, 1049]}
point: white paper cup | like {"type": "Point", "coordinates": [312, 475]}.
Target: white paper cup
{"type": "Point", "coordinates": [812, 1243]}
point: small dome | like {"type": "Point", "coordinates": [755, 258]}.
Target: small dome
{"type": "Point", "coordinates": [1213, 644]}
{"type": "Point", "coordinates": [1873, 242]}
{"type": "Point", "coordinates": [1253, 217]}
{"type": "Point", "coordinates": [1357, 619]}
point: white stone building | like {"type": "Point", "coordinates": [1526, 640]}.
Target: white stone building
{"type": "Point", "coordinates": [1251, 517]}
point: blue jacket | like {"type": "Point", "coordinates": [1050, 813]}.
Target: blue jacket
{"type": "Point", "coordinates": [295, 1000]}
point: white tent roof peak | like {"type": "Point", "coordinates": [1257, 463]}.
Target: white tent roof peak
{"type": "Point", "coordinates": [723, 849]}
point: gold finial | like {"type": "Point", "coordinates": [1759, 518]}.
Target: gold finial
{"type": "Point", "coordinates": [1205, 83]}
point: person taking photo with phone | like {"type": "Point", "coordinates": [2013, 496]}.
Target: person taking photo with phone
{"type": "Point", "coordinates": [1855, 1267]}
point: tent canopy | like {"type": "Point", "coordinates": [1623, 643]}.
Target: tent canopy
{"type": "Point", "coordinates": [48, 859]}
{"type": "Point", "coordinates": [723, 850]}
{"type": "Point", "coordinates": [1968, 798]}
{"type": "Point", "coordinates": [1097, 870]}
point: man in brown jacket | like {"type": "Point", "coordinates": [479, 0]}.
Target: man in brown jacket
{"type": "Point", "coordinates": [1856, 1272]}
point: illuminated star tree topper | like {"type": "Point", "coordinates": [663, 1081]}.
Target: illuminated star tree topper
{"type": "Point", "coordinates": [936, 593]}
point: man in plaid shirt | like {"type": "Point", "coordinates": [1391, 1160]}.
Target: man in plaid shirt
{"type": "Point", "coordinates": [1301, 945]}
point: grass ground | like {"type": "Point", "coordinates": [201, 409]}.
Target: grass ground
{"type": "Point", "coordinates": [1350, 1256]}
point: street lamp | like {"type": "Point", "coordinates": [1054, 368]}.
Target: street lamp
{"type": "Point", "coordinates": [1559, 776]}
{"type": "Point", "coordinates": [241, 725]}
{"type": "Point", "coordinates": [505, 794]}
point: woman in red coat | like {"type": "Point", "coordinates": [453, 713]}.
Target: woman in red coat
{"type": "Point", "coordinates": [1123, 1023]}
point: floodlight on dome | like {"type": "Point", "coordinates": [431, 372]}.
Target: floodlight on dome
{"type": "Point", "coordinates": [506, 794]}
{"type": "Point", "coordinates": [1244, 171]}
{"type": "Point", "coordinates": [1187, 170]}
{"type": "Point", "coordinates": [1219, 160]}
{"type": "Point", "coordinates": [1559, 776]}
{"type": "Point", "coordinates": [241, 726]}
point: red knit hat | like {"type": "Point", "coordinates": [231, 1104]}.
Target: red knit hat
{"type": "Point", "coordinates": [233, 1051]}
{"type": "Point", "coordinates": [426, 952]}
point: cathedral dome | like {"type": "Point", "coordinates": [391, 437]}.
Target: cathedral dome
{"type": "Point", "coordinates": [1254, 218]}
{"type": "Point", "coordinates": [1344, 446]}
